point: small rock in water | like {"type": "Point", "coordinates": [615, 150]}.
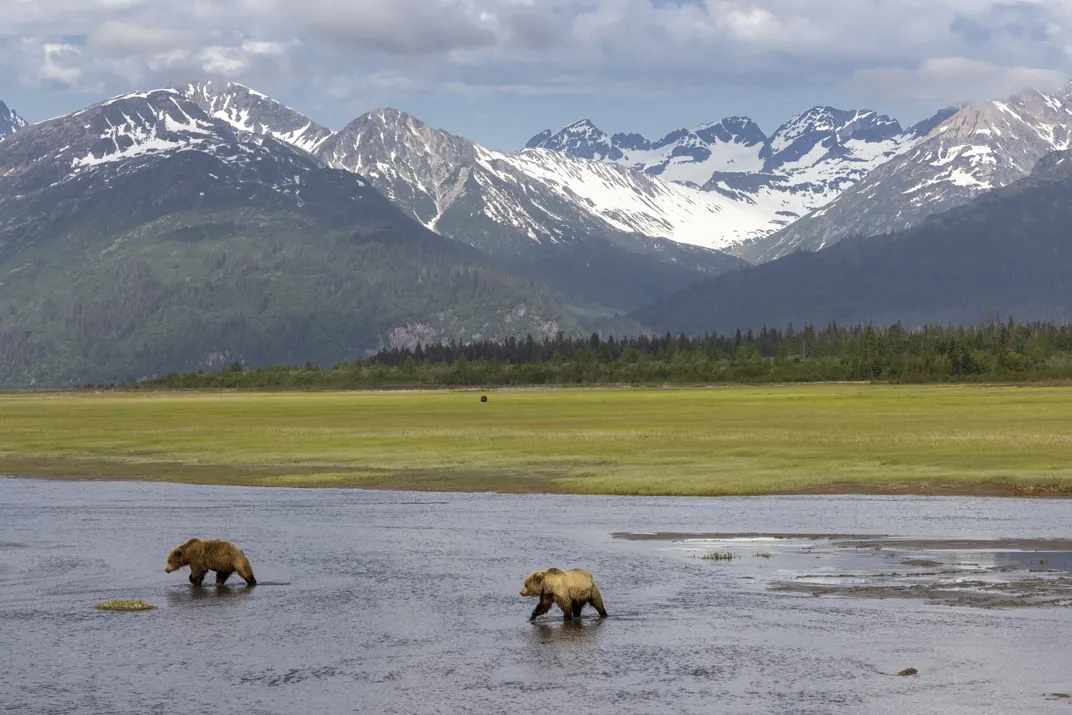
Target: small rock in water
{"type": "Point", "coordinates": [121, 605]}
{"type": "Point", "coordinates": [908, 671]}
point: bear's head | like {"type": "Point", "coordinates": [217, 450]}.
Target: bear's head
{"type": "Point", "coordinates": [175, 560]}
{"type": "Point", "coordinates": [533, 584]}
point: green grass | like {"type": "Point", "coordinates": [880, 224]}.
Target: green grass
{"type": "Point", "coordinates": [793, 439]}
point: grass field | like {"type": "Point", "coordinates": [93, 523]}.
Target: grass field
{"type": "Point", "coordinates": [793, 439]}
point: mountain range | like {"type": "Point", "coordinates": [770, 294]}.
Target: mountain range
{"type": "Point", "coordinates": [773, 181]}
{"type": "Point", "coordinates": [207, 223]}
{"type": "Point", "coordinates": [1007, 252]}
{"type": "Point", "coordinates": [143, 235]}
{"type": "Point", "coordinates": [981, 147]}
{"type": "Point", "coordinates": [607, 239]}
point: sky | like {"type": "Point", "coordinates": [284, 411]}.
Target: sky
{"type": "Point", "coordinates": [500, 71]}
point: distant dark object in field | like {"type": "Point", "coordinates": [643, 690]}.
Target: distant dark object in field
{"type": "Point", "coordinates": [483, 398]}
{"type": "Point", "coordinates": [908, 671]}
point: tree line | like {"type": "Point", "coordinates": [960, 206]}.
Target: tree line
{"type": "Point", "coordinates": [996, 351]}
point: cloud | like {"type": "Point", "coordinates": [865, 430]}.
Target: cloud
{"type": "Point", "coordinates": [358, 48]}
{"type": "Point", "coordinates": [394, 27]}
{"type": "Point", "coordinates": [123, 39]}
{"type": "Point", "coordinates": [57, 65]}
{"type": "Point", "coordinates": [949, 80]}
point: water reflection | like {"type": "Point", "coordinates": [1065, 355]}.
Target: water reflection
{"type": "Point", "coordinates": [193, 593]}
{"type": "Point", "coordinates": [580, 632]}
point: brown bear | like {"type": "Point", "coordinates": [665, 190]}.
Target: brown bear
{"type": "Point", "coordinates": [223, 557]}
{"type": "Point", "coordinates": [569, 590]}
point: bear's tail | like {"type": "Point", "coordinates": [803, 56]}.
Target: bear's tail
{"type": "Point", "coordinates": [597, 601]}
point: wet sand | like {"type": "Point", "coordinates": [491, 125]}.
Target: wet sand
{"type": "Point", "coordinates": [984, 573]}
{"type": "Point", "coordinates": [859, 541]}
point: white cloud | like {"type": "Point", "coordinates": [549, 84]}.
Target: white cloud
{"type": "Point", "coordinates": [123, 39]}
{"type": "Point", "coordinates": [58, 65]}
{"type": "Point", "coordinates": [911, 48]}
{"type": "Point", "coordinates": [949, 80]}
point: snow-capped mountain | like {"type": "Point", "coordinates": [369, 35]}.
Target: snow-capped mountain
{"type": "Point", "coordinates": [684, 156]}
{"type": "Point", "coordinates": [143, 235]}
{"type": "Point", "coordinates": [432, 175]}
{"type": "Point", "coordinates": [250, 111]}
{"type": "Point", "coordinates": [123, 134]}
{"type": "Point", "coordinates": [428, 172]}
{"type": "Point", "coordinates": [1004, 253]}
{"type": "Point", "coordinates": [10, 121]}
{"type": "Point", "coordinates": [978, 148]}
{"type": "Point", "coordinates": [525, 207]}
{"type": "Point", "coordinates": [168, 155]}
{"type": "Point", "coordinates": [804, 164]}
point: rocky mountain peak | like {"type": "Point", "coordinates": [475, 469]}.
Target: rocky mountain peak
{"type": "Point", "coordinates": [740, 130]}
{"type": "Point", "coordinates": [823, 128]}
{"type": "Point", "coordinates": [144, 131]}
{"type": "Point", "coordinates": [10, 121]}
{"type": "Point", "coordinates": [582, 139]}
{"type": "Point", "coordinates": [248, 110]}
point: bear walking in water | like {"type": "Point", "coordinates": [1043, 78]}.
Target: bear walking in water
{"type": "Point", "coordinates": [223, 557]}
{"type": "Point", "coordinates": [569, 590]}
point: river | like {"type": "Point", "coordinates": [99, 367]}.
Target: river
{"type": "Point", "coordinates": [408, 603]}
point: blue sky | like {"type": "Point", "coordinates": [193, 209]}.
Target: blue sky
{"type": "Point", "coordinates": [498, 71]}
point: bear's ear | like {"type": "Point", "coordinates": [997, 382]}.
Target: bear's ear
{"type": "Point", "coordinates": [177, 553]}
{"type": "Point", "coordinates": [537, 576]}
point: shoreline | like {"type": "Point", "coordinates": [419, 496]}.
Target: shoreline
{"type": "Point", "coordinates": [937, 490]}
{"type": "Point", "coordinates": [135, 389]}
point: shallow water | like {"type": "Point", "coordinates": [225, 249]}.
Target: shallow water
{"type": "Point", "coordinates": [374, 602]}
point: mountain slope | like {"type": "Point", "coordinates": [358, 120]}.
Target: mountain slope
{"type": "Point", "coordinates": [979, 148]}
{"type": "Point", "coordinates": [143, 236]}
{"type": "Point", "coordinates": [1007, 252]}
{"type": "Point", "coordinates": [600, 234]}
{"type": "Point", "coordinates": [10, 121]}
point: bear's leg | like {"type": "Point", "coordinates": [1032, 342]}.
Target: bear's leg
{"type": "Point", "coordinates": [222, 576]}
{"type": "Point", "coordinates": [196, 577]}
{"type": "Point", "coordinates": [565, 605]}
{"type": "Point", "coordinates": [596, 600]}
{"type": "Point", "coordinates": [577, 609]}
{"type": "Point", "coordinates": [542, 607]}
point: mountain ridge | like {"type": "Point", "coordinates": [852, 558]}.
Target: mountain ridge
{"type": "Point", "coordinates": [1005, 253]}
{"type": "Point", "coordinates": [803, 165]}
{"type": "Point", "coordinates": [982, 146]}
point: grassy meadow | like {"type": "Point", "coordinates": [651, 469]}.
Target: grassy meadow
{"type": "Point", "coordinates": [740, 440]}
